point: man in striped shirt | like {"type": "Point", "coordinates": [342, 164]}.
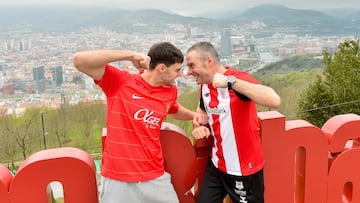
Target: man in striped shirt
{"type": "Point", "coordinates": [229, 99]}
{"type": "Point", "coordinates": [132, 162]}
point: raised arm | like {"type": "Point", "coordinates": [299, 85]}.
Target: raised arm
{"type": "Point", "coordinates": [260, 94]}
{"type": "Point", "coordinates": [92, 63]}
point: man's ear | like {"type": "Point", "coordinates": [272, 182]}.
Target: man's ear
{"type": "Point", "coordinates": [161, 67]}
{"type": "Point", "coordinates": [209, 59]}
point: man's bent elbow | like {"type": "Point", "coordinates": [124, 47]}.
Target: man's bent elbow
{"type": "Point", "coordinates": [276, 102]}
{"type": "Point", "coordinates": [77, 61]}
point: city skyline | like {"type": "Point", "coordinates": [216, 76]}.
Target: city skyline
{"type": "Point", "coordinates": [189, 8]}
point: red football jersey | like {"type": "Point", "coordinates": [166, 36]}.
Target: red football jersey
{"type": "Point", "coordinates": [135, 110]}
{"type": "Point", "coordinates": [234, 124]}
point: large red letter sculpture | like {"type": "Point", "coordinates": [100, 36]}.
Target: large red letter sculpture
{"type": "Point", "coordinates": [344, 166]}
{"type": "Point", "coordinates": [303, 164]}
{"type": "Point", "coordinates": [73, 168]}
{"type": "Point", "coordinates": [299, 166]}
{"type": "Point", "coordinates": [5, 180]}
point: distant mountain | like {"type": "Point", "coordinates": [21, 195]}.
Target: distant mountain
{"type": "Point", "coordinates": [300, 21]}
{"type": "Point", "coordinates": [48, 18]}
{"type": "Point", "coordinates": [355, 16]}
{"type": "Point", "coordinates": [150, 20]}
{"type": "Point", "coordinates": [277, 18]}
{"type": "Point", "coordinates": [340, 12]}
{"type": "Point", "coordinates": [221, 14]}
{"type": "Point", "coordinates": [274, 11]}
{"type": "Point", "coordinates": [65, 19]}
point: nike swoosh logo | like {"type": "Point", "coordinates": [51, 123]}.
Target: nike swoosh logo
{"type": "Point", "coordinates": [134, 96]}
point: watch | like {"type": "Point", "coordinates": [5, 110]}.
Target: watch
{"type": "Point", "coordinates": [230, 81]}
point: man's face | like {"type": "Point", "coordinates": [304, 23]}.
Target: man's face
{"type": "Point", "coordinates": [197, 68]}
{"type": "Point", "coordinates": [171, 73]}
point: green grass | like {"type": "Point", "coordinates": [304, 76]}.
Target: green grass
{"type": "Point", "coordinates": [59, 200]}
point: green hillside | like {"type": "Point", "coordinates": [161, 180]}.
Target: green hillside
{"type": "Point", "coordinates": [289, 78]}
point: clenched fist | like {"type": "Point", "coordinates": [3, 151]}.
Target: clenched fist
{"type": "Point", "coordinates": [201, 132]}
{"type": "Point", "coordinates": [219, 80]}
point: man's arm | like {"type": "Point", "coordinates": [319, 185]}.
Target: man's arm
{"type": "Point", "coordinates": [200, 128]}
{"type": "Point", "coordinates": [92, 63]}
{"type": "Point", "coordinates": [199, 118]}
{"type": "Point", "coordinates": [260, 94]}
{"type": "Point", "coordinates": [183, 114]}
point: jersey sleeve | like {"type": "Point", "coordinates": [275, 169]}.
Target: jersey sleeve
{"type": "Point", "coordinates": [246, 77]}
{"type": "Point", "coordinates": [174, 108]}
{"type": "Point", "coordinates": [112, 79]}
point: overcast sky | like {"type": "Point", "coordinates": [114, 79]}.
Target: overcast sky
{"type": "Point", "coordinates": [193, 7]}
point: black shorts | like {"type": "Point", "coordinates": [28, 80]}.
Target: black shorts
{"type": "Point", "coordinates": [243, 189]}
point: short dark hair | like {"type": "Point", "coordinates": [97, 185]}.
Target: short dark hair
{"type": "Point", "coordinates": [166, 53]}
{"type": "Point", "coordinates": [203, 49]}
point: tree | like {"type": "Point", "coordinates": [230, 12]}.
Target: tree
{"type": "Point", "coordinates": [337, 91]}
{"type": "Point", "coordinates": [90, 117]}
{"type": "Point", "coordinates": [57, 125]}
{"type": "Point", "coordinates": [8, 143]}
{"type": "Point", "coordinates": [313, 103]}
{"type": "Point", "coordinates": [23, 128]}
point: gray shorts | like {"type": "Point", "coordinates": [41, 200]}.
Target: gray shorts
{"type": "Point", "coordinates": [159, 190]}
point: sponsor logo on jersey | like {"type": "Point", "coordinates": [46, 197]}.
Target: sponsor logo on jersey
{"type": "Point", "coordinates": [148, 118]}
{"type": "Point", "coordinates": [215, 110]}
{"type": "Point", "coordinates": [134, 96]}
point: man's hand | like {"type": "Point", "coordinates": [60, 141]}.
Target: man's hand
{"type": "Point", "coordinates": [200, 119]}
{"type": "Point", "coordinates": [219, 80]}
{"type": "Point", "coordinates": [201, 132]}
{"type": "Point", "coordinates": [141, 61]}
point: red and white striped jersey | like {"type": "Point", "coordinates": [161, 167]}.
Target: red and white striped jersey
{"type": "Point", "coordinates": [234, 124]}
{"type": "Point", "coordinates": [135, 110]}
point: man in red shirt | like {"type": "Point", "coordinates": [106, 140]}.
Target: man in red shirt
{"type": "Point", "coordinates": [132, 162]}
{"type": "Point", "coordinates": [229, 99]}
